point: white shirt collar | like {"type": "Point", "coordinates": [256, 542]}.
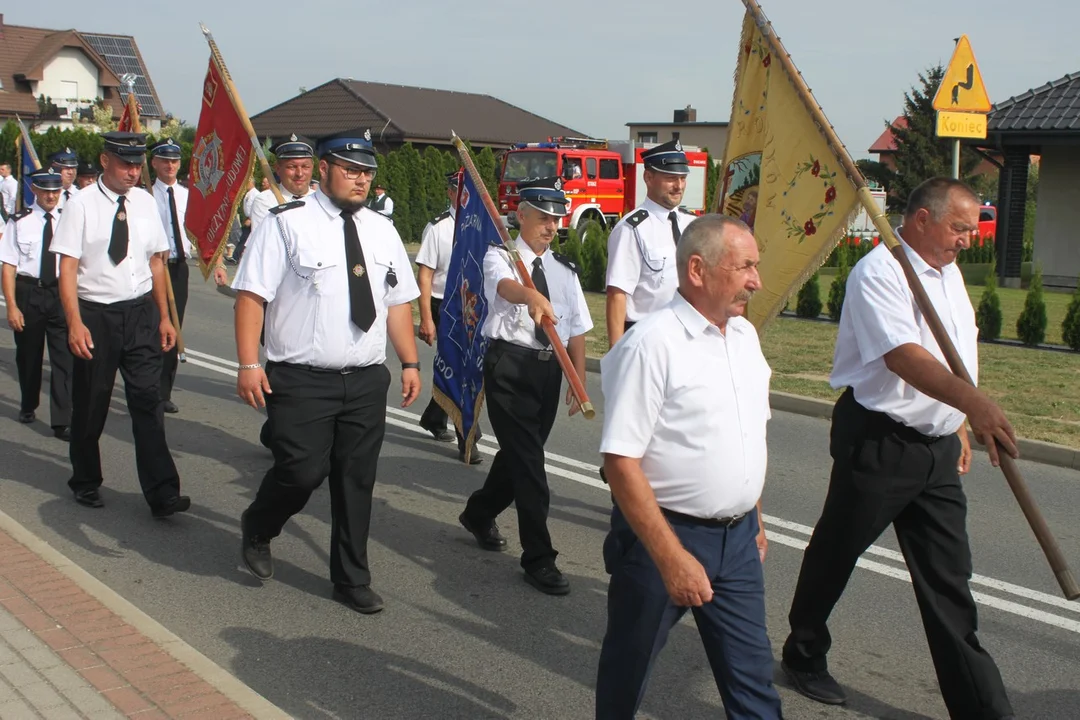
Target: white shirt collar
{"type": "Point", "coordinates": [920, 266]}
{"type": "Point", "coordinates": [695, 323]}
{"type": "Point", "coordinates": [162, 183]}
{"type": "Point", "coordinates": [107, 192]}
{"type": "Point", "coordinates": [656, 209]}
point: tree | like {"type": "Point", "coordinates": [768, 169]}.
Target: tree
{"type": "Point", "coordinates": [920, 154]}
{"type": "Point", "coordinates": [988, 316]}
{"type": "Point", "coordinates": [594, 258]}
{"type": "Point", "coordinates": [1031, 325]}
{"type": "Point", "coordinates": [808, 302]}
{"type": "Point", "coordinates": [1070, 327]}
{"type": "Point", "coordinates": [876, 172]}
{"type": "Point", "coordinates": [486, 165]}
{"type": "Point", "coordinates": [838, 290]}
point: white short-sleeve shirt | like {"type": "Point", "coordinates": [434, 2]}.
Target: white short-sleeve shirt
{"type": "Point", "coordinates": [693, 404]}
{"type": "Point", "coordinates": [161, 197]}
{"type": "Point", "coordinates": [512, 323]}
{"type": "Point", "coordinates": [22, 241]}
{"type": "Point", "coordinates": [67, 195]}
{"type": "Point", "coordinates": [85, 233]}
{"type": "Point", "coordinates": [260, 206]}
{"type": "Point", "coordinates": [641, 259]}
{"type": "Point", "coordinates": [880, 315]}
{"type": "Point", "coordinates": [436, 245]}
{"type": "Point", "coordinates": [296, 262]}
{"type": "Point", "coordinates": [9, 188]}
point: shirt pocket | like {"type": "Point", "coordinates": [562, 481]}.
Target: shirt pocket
{"type": "Point", "coordinates": [314, 262]}
{"type": "Point", "coordinates": [383, 271]}
{"type": "Point", "coordinates": [657, 262]}
{"type": "Point", "coordinates": [27, 247]}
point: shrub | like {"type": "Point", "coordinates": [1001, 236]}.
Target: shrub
{"type": "Point", "coordinates": [594, 258]}
{"type": "Point", "coordinates": [1070, 328]}
{"type": "Point", "coordinates": [988, 315]}
{"type": "Point", "coordinates": [837, 291]}
{"type": "Point", "coordinates": [570, 246]}
{"type": "Point", "coordinates": [1031, 325]}
{"type": "Point", "coordinates": [808, 302]}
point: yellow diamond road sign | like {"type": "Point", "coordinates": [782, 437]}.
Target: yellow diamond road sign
{"type": "Point", "coordinates": [962, 88]}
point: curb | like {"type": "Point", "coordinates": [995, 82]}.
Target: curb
{"type": "Point", "coordinates": [1034, 450]}
{"type": "Point", "coordinates": [224, 681]}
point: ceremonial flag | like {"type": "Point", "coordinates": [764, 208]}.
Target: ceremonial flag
{"type": "Point", "coordinates": [28, 163]}
{"type": "Point", "coordinates": [126, 122]}
{"type": "Point", "coordinates": [221, 162]}
{"type": "Point", "coordinates": [782, 178]}
{"type": "Point", "coordinates": [459, 360]}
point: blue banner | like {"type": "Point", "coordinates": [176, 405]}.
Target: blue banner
{"type": "Point", "coordinates": [28, 166]}
{"type": "Point", "coordinates": [459, 359]}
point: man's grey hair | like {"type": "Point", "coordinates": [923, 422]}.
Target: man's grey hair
{"type": "Point", "coordinates": [933, 196]}
{"type": "Point", "coordinates": [707, 238]}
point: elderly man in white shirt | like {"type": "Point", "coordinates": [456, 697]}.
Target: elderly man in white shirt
{"type": "Point", "coordinates": [899, 447]}
{"type": "Point", "coordinates": [686, 395]}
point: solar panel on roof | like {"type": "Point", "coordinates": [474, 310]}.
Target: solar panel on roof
{"type": "Point", "coordinates": [119, 53]}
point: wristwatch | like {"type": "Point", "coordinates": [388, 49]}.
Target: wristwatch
{"type": "Point", "coordinates": [414, 366]}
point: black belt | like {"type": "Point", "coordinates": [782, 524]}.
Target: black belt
{"type": "Point", "coordinates": [728, 522]}
{"type": "Point", "coordinates": [314, 369]}
{"type": "Point", "coordinates": [120, 304]}
{"type": "Point", "coordinates": [885, 425]}
{"type": "Point", "coordinates": [177, 261]}
{"type": "Point", "coordinates": [504, 346]}
{"type": "Point", "coordinates": [36, 282]}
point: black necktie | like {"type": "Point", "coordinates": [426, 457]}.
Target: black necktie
{"type": "Point", "coordinates": [47, 273]}
{"type": "Point", "coordinates": [118, 243]}
{"type": "Point", "coordinates": [177, 237]}
{"type": "Point", "coordinates": [675, 231]}
{"type": "Point", "coordinates": [67, 195]}
{"type": "Point", "coordinates": [360, 298]}
{"type": "Point", "coordinates": [540, 281]}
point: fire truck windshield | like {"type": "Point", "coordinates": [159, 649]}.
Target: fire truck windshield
{"type": "Point", "coordinates": [524, 164]}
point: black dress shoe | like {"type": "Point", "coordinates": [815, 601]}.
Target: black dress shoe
{"type": "Point", "coordinates": [62, 432]}
{"type": "Point", "coordinates": [27, 417]}
{"type": "Point", "coordinates": [443, 435]}
{"type": "Point", "coordinates": [487, 537]}
{"type": "Point", "coordinates": [474, 457]}
{"type": "Point", "coordinates": [89, 498]}
{"type": "Point", "coordinates": [548, 580]}
{"type": "Point", "coordinates": [362, 599]}
{"type": "Point", "coordinates": [170, 407]}
{"type": "Point", "coordinates": [820, 686]}
{"type": "Point", "coordinates": [178, 504]}
{"type": "Point", "coordinates": [255, 551]}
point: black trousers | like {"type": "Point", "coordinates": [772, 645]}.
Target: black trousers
{"type": "Point", "coordinates": [44, 320]}
{"type": "Point", "coordinates": [324, 424]}
{"type": "Point", "coordinates": [523, 394]}
{"type": "Point", "coordinates": [178, 273]}
{"type": "Point", "coordinates": [434, 417]}
{"type": "Point", "coordinates": [886, 473]}
{"type": "Point", "coordinates": [126, 338]}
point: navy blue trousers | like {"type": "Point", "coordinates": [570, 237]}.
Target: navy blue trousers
{"type": "Point", "coordinates": [732, 626]}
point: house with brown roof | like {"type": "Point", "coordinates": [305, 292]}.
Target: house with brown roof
{"type": "Point", "coordinates": [885, 146]}
{"type": "Point", "coordinates": [397, 114]}
{"type": "Point", "coordinates": [50, 78]}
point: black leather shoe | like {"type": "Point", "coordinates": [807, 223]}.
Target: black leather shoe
{"type": "Point", "coordinates": [178, 504]}
{"type": "Point", "coordinates": [27, 417]}
{"type": "Point", "coordinates": [264, 435]}
{"type": "Point", "coordinates": [442, 435]}
{"type": "Point", "coordinates": [255, 551]}
{"type": "Point", "coordinates": [820, 686]}
{"type": "Point", "coordinates": [170, 407]}
{"type": "Point", "coordinates": [362, 599]}
{"type": "Point", "coordinates": [548, 580]}
{"type": "Point", "coordinates": [89, 498]}
{"type": "Point", "coordinates": [62, 432]}
{"type": "Point", "coordinates": [488, 537]}
{"type": "Point", "coordinates": [474, 458]}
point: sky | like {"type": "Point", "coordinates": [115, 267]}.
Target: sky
{"type": "Point", "coordinates": [593, 65]}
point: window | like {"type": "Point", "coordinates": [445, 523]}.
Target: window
{"type": "Point", "coordinates": [590, 168]}
{"type": "Point", "coordinates": [609, 169]}
{"type": "Point", "coordinates": [527, 164]}
{"type": "Point", "coordinates": [647, 137]}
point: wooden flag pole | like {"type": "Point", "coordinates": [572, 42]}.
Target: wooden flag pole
{"type": "Point", "coordinates": [576, 386]}
{"type": "Point", "coordinates": [234, 98]}
{"type": "Point", "coordinates": [1016, 481]}
{"type": "Point", "coordinates": [136, 126]}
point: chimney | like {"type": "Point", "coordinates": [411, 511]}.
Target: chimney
{"type": "Point", "coordinates": [687, 115]}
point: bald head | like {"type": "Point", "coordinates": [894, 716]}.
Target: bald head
{"type": "Point", "coordinates": [706, 237]}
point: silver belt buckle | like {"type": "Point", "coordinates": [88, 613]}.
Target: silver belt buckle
{"type": "Point", "coordinates": [544, 355]}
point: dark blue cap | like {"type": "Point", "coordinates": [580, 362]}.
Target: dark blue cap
{"type": "Point", "coordinates": [65, 158]}
{"type": "Point", "coordinates": [293, 148]}
{"type": "Point", "coordinates": [544, 194]}
{"type": "Point", "coordinates": [46, 179]}
{"type": "Point", "coordinates": [666, 158]}
{"type": "Point", "coordinates": [127, 146]}
{"type": "Point", "coordinates": [86, 168]}
{"type": "Point", "coordinates": [166, 149]}
{"type": "Point", "coordinates": [355, 150]}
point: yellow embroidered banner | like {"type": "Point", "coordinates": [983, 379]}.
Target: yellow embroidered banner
{"type": "Point", "coordinates": [781, 177]}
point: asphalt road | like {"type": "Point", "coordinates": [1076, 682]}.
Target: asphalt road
{"type": "Point", "coordinates": [462, 636]}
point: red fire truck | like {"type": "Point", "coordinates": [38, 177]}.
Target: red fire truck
{"type": "Point", "coordinates": [603, 179]}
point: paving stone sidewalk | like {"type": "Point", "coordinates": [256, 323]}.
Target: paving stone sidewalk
{"type": "Point", "coordinates": [70, 648]}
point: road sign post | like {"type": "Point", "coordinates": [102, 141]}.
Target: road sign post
{"type": "Point", "coordinates": [961, 101]}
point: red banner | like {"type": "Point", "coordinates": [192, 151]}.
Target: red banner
{"type": "Point", "coordinates": [221, 161]}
